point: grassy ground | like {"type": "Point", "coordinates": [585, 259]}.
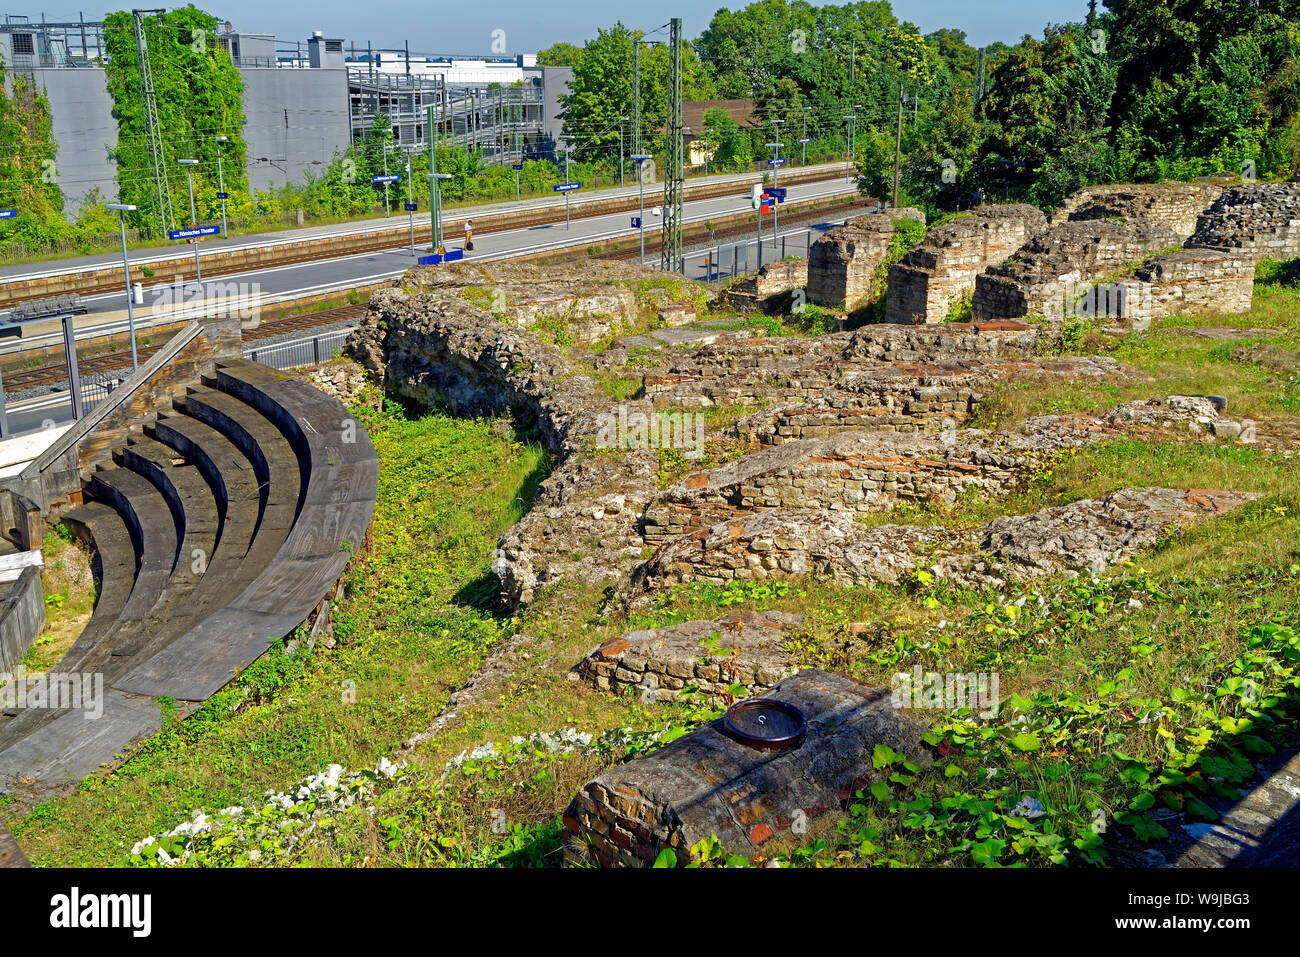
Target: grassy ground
{"type": "Point", "coordinates": [1153, 687]}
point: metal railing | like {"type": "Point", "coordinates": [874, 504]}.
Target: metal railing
{"type": "Point", "coordinates": [297, 353]}
{"type": "Point", "coordinates": [728, 260]}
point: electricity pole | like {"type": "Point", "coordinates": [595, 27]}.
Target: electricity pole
{"type": "Point", "coordinates": [152, 126]}
{"type": "Point", "coordinates": [674, 179]}
{"type": "Point", "coordinates": [848, 149]}
{"type": "Point", "coordinates": [636, 96]}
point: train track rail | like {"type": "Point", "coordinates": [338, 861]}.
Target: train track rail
{"type": "Point", "coordinates": [395, 239]}
{"type": "Point", "coordinates": [109, 362]}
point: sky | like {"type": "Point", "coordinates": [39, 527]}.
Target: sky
{"type": "Point", "coordinates": [467, 28]}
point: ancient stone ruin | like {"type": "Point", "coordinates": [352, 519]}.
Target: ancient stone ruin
{"type": "Point", "coordinates": [1084, 536]}
{"type": "Point", "coordinates": [707, 784]}
{"type": "Point", "coordinates": [803, 439]}
{"type": "Point", "coordinates": [1259, 220]}
{"type": "Point", "coordinates": [843, 265]}
{"type": "Point", "coordinates": [934, 277]}
{"type": "Point", "coordinates": [1116, 253]}
{"type": "Point", "coordinates": [1178, 204]}
{"type": "Point", "coordinates": [769, 289]}
{"type": "Point", "coordinates": [706, 656]}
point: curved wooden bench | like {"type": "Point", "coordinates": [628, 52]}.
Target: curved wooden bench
{"type": "Point", "coordinates": [337, 501]}
{"type": "Point", "coordinates": [278, 482]}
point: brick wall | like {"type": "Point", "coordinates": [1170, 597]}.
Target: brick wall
{"type": "Point", "coordinates": [932, 278]}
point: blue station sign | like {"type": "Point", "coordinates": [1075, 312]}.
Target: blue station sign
{"type": "Point", "coordinates": [566, 187]}
{"type": "Point", "coordinates": [390, 178]}
{"type": "Point", "coordinates": [8, 213]}
{"type": "Point", "coordinates": [194, 233]}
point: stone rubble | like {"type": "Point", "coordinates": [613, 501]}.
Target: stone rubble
{"type": "Point", "coordinates": [1084, 536]}
{"type": "Point", "coordinates": [656, 664]}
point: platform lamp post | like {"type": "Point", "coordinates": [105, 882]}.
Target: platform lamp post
{"type": "Point", "coordinates": [640, 160]}
{"type": "Point", "coordinates": [388, 208]}
{"type": "Point", "coordinates": [122, 209]}
{"type": "Point", "coordinates": [803, 139]}
{"type": "Point", "coordinates": [221, 185]}
{"type": "Point", "coordinates": [189, 165]}
{"type": "Point", "coordinates": [435, 187]}
{"type": "Point", "coordinates": [707, 145]}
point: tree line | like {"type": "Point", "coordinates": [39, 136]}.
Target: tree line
{"type": "Point", "coordinates": [1134, 90]}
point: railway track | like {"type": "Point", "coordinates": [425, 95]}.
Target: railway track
{"type": "Point", "coordinates": [698, 236]}
{"type": "Point", "coordinates": [106, 363]}
{"type": "Point", "coordinates": [396, 239]}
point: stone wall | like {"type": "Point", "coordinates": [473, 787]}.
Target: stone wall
{"type": "Point", "coordinates": [769, 289]}
{"type": "Point", "coordinates": [1178, 204]}
{"type": "Point", "coordinates": [1088, 535]}
{"type": "Point", "coordinates": [759, 372]}
{"type": "Point", "coordinates": [934, 276]}
{"type": "Point", "coordinates": [1197, 281]}
{"type": "Point", "coordinates": [711, 656]}
{"type": "Point", "coordinates": [1042, 277]}
{"type": "Point", "coordinates": [842, 264]}
{"type": "Point", "coordinates": [1260, 220]}
{"type": "Point", "coordinates": [705, 784]}
{"type": "Point", "coordinates": [444, 352]}
{"type": "Point", "coordinates": [862, 472]}
{"type": "Point", "coordinates": [580, 303]}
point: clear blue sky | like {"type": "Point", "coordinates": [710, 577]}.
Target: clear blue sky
{"type": "Point", "coordinates": [459, 27]}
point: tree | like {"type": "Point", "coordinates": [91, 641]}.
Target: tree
{"type": "Point", "coordinates": [560, 54]}
{"type": "Point", "coordinates": [942, 148]}
{"type": "Point", "coordinates": [732, 148]}
{"type": "Point", "coordinates": [601, 91]}
{"type": "Point", "coordinates": [874, 165]}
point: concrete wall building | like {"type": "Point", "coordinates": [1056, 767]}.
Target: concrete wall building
{"type": "Point", "coordinates": [302, 106]}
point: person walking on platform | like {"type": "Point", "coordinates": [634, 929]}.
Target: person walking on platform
{"type": "Point", "coordinates": [469, 235]}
